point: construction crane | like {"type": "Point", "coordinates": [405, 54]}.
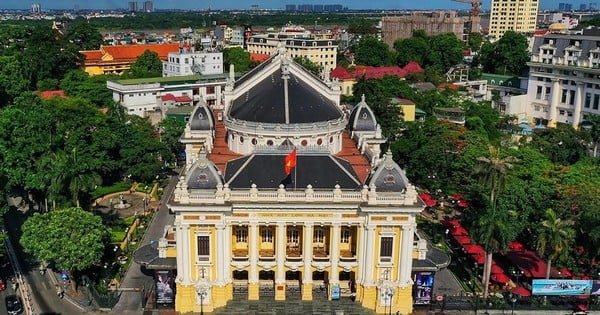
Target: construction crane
{"type": "Point", "coordinates": [475, 4]}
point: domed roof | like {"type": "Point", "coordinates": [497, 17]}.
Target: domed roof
{"type": "Point", "coordinates": [202, 118]}
{"type": "Point", "coordinates": [557, 27]}
{"type": "Point", "coordinates": [362, 117]}
{"type": "Point", "coordinates": [203, 174]}
{"type": "Point", "coordinates": [388, 176]}
{"type": "Point", "coordinates": [284, 97]}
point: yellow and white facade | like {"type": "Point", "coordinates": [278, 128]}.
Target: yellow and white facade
{"type": "Point", "coordinates": [328, 230]}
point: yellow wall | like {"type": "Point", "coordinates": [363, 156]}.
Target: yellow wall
{"type": "Point", "coordinates": [409, 112]}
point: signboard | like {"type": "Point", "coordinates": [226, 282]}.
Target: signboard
{"type": "Point", "coordinates": [164, 287]}
{"type": "Point", "coordinates": [423, 288]}
{"type": "Point", "coordinates": [561, 287]}
{"type": "Point", "coordinates": [595, 287]}
{"type": "Point", "coordinates": [335, 292]}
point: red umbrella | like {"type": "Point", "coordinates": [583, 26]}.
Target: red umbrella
{"type": "Point", "coordinates": [459, 231]}
{"type": "Point", "coordinates": [497, 269]}
{"type": "Point", "coordinates": [566, 273]}
{"type": "Point", "coordinates": [521, 291]}
{"type": "Point", "coordinates": [430, 202]}
{"type": "Point", "coordinates": [474, 249]}
{"type": "Point", "coordinates": [515, 246]}
{"type": "Point", "coordinates": [424, 196]}
{"type": "Point", "coordinates": [479, 259]}
{"type": "Point", "coordinates": [500, 278]}
{"type": "Point", "coordinates": [458, 196]}
{"type": "Point", "coordinates": [463, 204]}
{"type": "Point", "coordinates": [462, 239]}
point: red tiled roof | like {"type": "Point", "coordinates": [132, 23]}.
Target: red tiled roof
{"type": "Point", "coordinates": [340, 73]}
{"type": "Point", "coordinates": [50, 94]}
{"type": "Point", "coordinates": [451, 86]}
{"type": "Point", "coordinates": [220, 153]}
{"type": "Point", "coordinates": [259, 57]}
{"type": "Point", "coordinates": [405, 101]}
{"type": "Point", "coordinates": [92, 56]}
{"type": "Point", "coordinates": [413, 67]}
{"type": "Point", "coordinates": [379, 72]}
{"type": "Point", "coordinates": [541, 32]}
{"type": "Point", "coordinates": [131, 52]}
{"type": "Point", "coordinates": [183, 98]}
{"type": "Point", "coordinates": [359, 162]}
{"type": "Point", "coordinates": [167, 97]}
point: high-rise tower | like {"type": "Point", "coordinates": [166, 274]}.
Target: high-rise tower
{"type": "Point", "coordinates": [513, 15]}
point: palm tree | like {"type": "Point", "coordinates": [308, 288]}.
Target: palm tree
{"type": "Point", "coordinates": [73, 174]}
{"type": "Point", "coordinates": [494, 230]}
{"type": "Point", "coordinates": [554, 236]}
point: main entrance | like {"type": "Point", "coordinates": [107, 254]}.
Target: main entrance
{"type": "Point", "coordinates": [293, 284]}
{"type": "Point", "coordinates": [320, 285]}
{"type": "Point", "coordinates": [266, 283]}
{"type": "Point", "coordinates": [240, 285]}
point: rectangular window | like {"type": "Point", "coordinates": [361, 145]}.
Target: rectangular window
{"type": "Point", "coordinates": [571, 97]}
{"type": "Point", "coordinates": [318, 235]}
{"type": "Point", "coordinates": [386, 249]}
{"type": "Point", "coordinates": [345, 235]}
{"type": "Point", "coordinates": [538, 93]}
{"type": "Point", "coordinates": [548, 93]}
{"type": "Point", "coordinates": [293, 236]}
{"type": "Point", "coordinates": [267, 235]}
{"type": "Point", "coordinates": [203, 247]}
{"type": "Point", "coordinates": [596, 100]}
{"type": "Point", "coordinates": [241, 235]}
{"type": "Point", "coordinates": [563, 98]}
{"type": "Point", "coordinates": [588, 100]}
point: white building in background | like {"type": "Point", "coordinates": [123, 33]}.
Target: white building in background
{"type": "Point", "coordinates": [563, 79]}
{"type": "Point", "coordinates": [188, 62]}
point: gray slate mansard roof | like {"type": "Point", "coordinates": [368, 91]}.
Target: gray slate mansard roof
{"type": "Point", "coordinates": [267, 171]}
{"type": "Point", "coordinates": [265, 102]}
{"type": "Point", "coordinates": [388, 176]}
{"type": "Point", "coordinates": [362, 117]}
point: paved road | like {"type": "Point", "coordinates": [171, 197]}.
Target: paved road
{"type": "Point", "coordinates": [41, 287]}
{"type": "Point", "coordinates": [138, 277]}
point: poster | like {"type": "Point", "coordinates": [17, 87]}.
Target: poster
{"type": "Point", "coordinates": [561, 287]}
{"type": "Point", "coordinates": [423, 288]}
{"type": "Point", "coordinates": [164, 287]}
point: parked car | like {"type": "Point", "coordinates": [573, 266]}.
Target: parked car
{"type": "Point", "coordinates": [13, 305]}
{"type": "Point", "coordinates": [2, 285]}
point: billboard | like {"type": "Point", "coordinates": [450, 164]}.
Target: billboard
{"type": "Point", "coordinates": [561, 287]}
{"type": "Point", "coordinates": [164, 287]}
{"type": "Point", "coordinates": [423, 288]}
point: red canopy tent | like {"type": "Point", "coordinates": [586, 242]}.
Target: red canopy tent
{"type": "Point", "coordinates": [500, 278]}
{"type": "Point", "coordinates": [463, 204]}
{"type": "Point", "coordinates": [430, 202]}
{"type": "Point", "coordinates": [451, 223]}
{"type": "Point", "coordinates": [474, 249]}
{"type": "Point", "coordinates": [521, 291]}
{"type": "Point", "coordinates": [515, 246]}
{"type": "Point", "coordinates": [479, 259]}
{"type": "Point", "coordinates": [425, 196]}
{"type": "Point", "coordinates": [462, 239]}
{"type": "Point", "coordinates": [459, 231]}
{"type": "Point", "coordinates": [496, 269]}
{"type": "Point", "coordinates": [457, 196]}
{"type": "Point", "coordinates": [529, 262]}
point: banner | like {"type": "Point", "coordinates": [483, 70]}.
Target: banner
{"type": "Point", "coordinates": [164, 287]}
{"type": "Point", "coordinates": [561, 287]}
{"type": "Point", "coordinates": [423, 288]}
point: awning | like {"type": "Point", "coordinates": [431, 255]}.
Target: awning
{"type": "Point", "coordinates": [479, 259]}
{"type": "Point", "coordinates": [147, 255]}
{"type": "Point", "coordinates": [430, 202]}
{"type": "Point", "coordinates": [496, 269]}
{"type": "Point", "coordinates": [515, 246]}
{"type": "Point", "coordinates": [474, 249]}
{"type": "Point", "coordinates": [528, 262]}
{"type": "Point", "coordinates": [500, 278]}
{"type": "Point", "coordinates": [424, 196]}
{"type": "Point", "coordinates": [462, 239]}
{"type": "Point", "coordinates": [459, 231]}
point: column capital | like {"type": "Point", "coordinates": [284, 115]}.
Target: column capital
{"type": "Point", "coordinates": [309, 224]}
{"type": "Point", "coordinates": [220, 226]}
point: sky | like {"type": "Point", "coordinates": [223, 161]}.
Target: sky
{"type": "Point", "coordinates": [265, 4]}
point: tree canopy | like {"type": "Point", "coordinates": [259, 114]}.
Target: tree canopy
{"type": "Point", "coordinates": [147, 65]}
{"type": "Point", "coordinates": [370, 51]}
{"type": "Point", "coordinates": [508, 55]}
{"type": "Point", "coordinates": [72, 238]}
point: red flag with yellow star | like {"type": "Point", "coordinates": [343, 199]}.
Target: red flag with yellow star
{"type": "Point", "coordinates": [290, 162]}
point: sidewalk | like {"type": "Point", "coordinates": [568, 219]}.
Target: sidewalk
{"type": "Point", "coordinates": [80, 299]}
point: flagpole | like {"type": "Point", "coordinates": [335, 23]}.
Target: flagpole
{"type": "Point", "coordinates": [295, 172]}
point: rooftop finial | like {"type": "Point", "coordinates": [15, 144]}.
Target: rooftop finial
{"type": "Point", "coordinates": [362, 99]}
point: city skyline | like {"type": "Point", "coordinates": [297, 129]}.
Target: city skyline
{"type": "Point", "coordinates": [261, 4]}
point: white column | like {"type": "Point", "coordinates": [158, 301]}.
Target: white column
{"type": "Point", "coordinates": [335, 254]}
{"type": "Point", "coordinates": [280, 250]}
{"type": "Point", "coordinates": [181, 249]}
{"type": "Point", "coordinates": [221, 265]}
{"type": "Point", "coordinates": [370, 255]}
{"type": "Point", "coordinates": [253, 255]}
{"type": "Point", "coordinates": [555, 99]}
{"type": "Point", "coordinates": [307, 242]}
{"type": "Point", "coordinates": [406, 247]}
{"type": "Point", "coordinates": [185, 230]}
{"type": "Point", "coordinates": [227, 256]}
{"type": "Point", "coordinates": [360, 256]}
{"type": "Point", "coordinates": [578, 105]}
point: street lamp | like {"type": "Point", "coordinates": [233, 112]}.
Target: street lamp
{"type": "Point", "coordinates": [513, 300]}
{"type": "Point", "coordinates": [388, 294]}
{"type": "Point", "coordinates": [202, 288]}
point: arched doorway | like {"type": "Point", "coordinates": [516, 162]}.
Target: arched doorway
{"type": "Point", "coordinates": [293, 284]}
{"type": "Point", "coordinates": [266, 281]}
{"type": "Point", "coordinates": [347, 283]}
{"type": "Point", "coordinates": [320, 285]}
{"type": "Point", "coordinates": [240, 284]}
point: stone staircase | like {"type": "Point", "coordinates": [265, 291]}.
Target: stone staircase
{"type": "Point", "coordinates": [268, 306]}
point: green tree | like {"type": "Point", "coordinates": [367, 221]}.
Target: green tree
{"type": "Point", "coordinates": [445, 51]}
{"type": "Point", "coordinates": [475, 41]}
{"type": "Point", "coordinates": [554, 237]}
{"type": "Point", "coordinates": [508, 55]}
{"type": "Point", "coordinates": [147, 65]}
{"type": "Point", "coordinates": [562, 145]}
{"type": "Point", "coordinates": [592, 127]}
{"type": "Point", "coordinates": [71, 238]}
{"type": "Point", "coordinates": [171, 130]}
{"type": "Point", "coordinates": [72, 172]}
{"type": "Point", "coordinates": [83, 35]}
{"type": "Point", "coordinates": [78, 83]}
{"type": "Point", "coordinates": [493, 229]}
{"type": "Point", "coordinates": [13, 79]}
{"type": "Point", "coordinates": [362, 27]}
{"type": "Point", "coordinates": [370, 51]}
{"type": "Point", "coordinates": [412, 49]}
{"type": "Point", "coordinates": [239, 58]}
{"type": "Point", "coordinates": [312, 67]}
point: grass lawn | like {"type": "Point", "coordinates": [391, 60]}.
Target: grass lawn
{"type": "Point", "coordinates": [105, 190]}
